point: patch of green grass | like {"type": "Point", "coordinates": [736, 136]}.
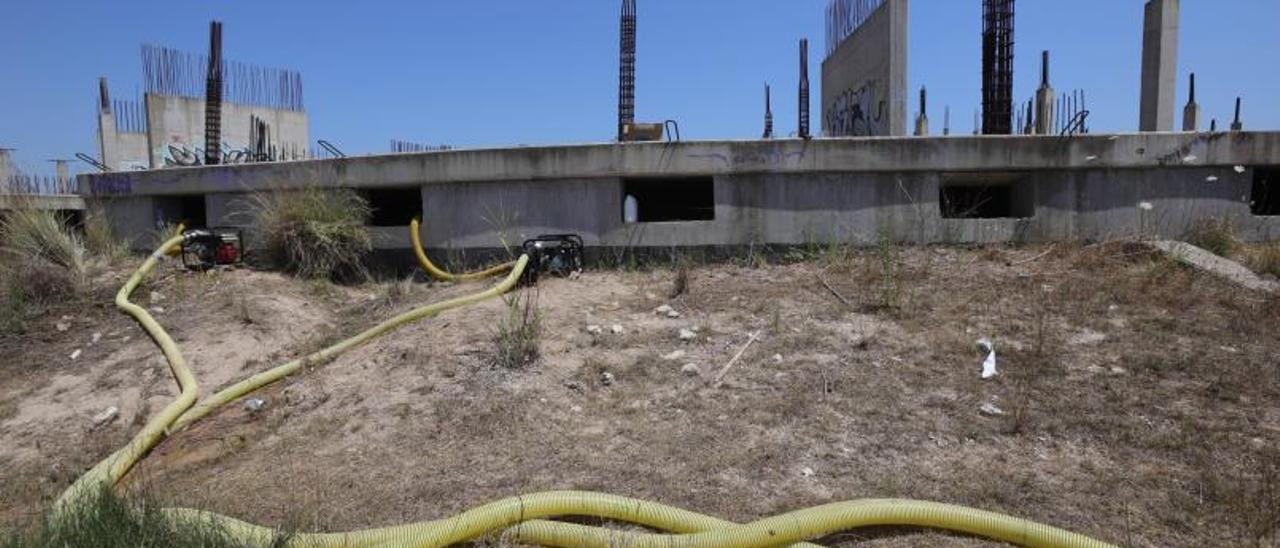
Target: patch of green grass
{"type": "Point", "coordinates": [519, 333]}
{"type": "Point", "coordinates": [108, 520]}
{"type": "Point", "coordinates": [1217, 236]}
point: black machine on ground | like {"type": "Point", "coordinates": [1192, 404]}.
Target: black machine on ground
{"type": "Point", "coordinates": [205, 248]}
{"type": "Point", "coordinates": [555, 254]}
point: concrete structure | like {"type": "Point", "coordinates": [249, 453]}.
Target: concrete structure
{"type": "Point", "coordinates": [1191, 112]}
{"type": "Point", "coordinates": [738, 193]}
{"type": "Point", "coordinates": [1045, 98]}
{"type": "Point", "coordinates": [1159, 65]}
{"type": "Point", "coordinates": [864, 80]}
{"type": "Point", "coordinates": [179, 122]}
{"type": "Point", "coordinates": [922, 118]}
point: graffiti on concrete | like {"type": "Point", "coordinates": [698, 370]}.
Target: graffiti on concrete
{"type": "Point", "coordinates": [180, 154]}
{"type": "Point", "coordinates": [769, 157]}
{"type": "Point", "coordinates": [858, 112]}
{"type": "Point", "coordinates": [111, 183]}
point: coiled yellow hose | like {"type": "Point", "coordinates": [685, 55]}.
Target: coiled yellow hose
{"type": "Point", "coordinates": [520, 516]}
{"type": "Point", "coordinates": [438, 273]}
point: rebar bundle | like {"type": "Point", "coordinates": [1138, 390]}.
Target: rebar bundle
{"type": "Point", "coordinates": [844, 17]}
{"type": "Point", "coordinates": [627, 67]}
{"type": "Point", "coordinates": [408, 146]}
{"type": "Point", "coordinates": [997, 67]}
{"type": "Point", "coordinates": [129, 116]}
{"type": "Point", "coordinates": [167, 71]}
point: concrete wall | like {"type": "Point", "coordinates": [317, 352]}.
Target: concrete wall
{"type": "Point", "coordinates": [179, 121]}
{"type": "Point", "coordinates": [765, 192]}
{"type": "Point", "coordinates": [864, 81]}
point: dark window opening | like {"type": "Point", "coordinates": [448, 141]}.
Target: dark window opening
{"type": "Point", "coordinates": [1264, 198]}
{"type": "Point", "coordinates": [986, 196]}
{"type": "Point", "coordinates": [393, 206]}
{"type": "Point", "coordinates": [188, 210]}
{"type": "Point", "coordinates": [669, 199]}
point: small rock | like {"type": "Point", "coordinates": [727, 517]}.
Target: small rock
{"type": "Point", "coordinates": [62, 326]}
{"type": "Point", "coordinates": [574, 386]}
{"type": "Point", "coordinates": [990, 410]}
{"type": "Point", "coordinates": [158, 309]}
{"type": "Point", "coordinates": [687, 335]}
{"type": "Point", "coordinates": [663, 310]}
{"type": "Point", "coordinates": [673, 314]}
{"type": "Point", "coordinates": [1117, 370]}
{"type": "Point", "coordinates": [75, 354]}
{"type": "Point", "coordinates": [807, 472]}
{"type": "Point", "coordinates": [691, 369]}
{"type": "Point", "coordinates": [777, 358]}
{"type": "Point", "coordinates": [576, 409]}
{"type": "Point", "coordinates": [674, 356]}
{"type": "Point", "coordinates": [156, 296]}
{"type": "Point", "coordinates": [606, 378]}
{"type": "Point", "coordinates": [107, 415]}
{"type": "Point", "coordinates": [616, 329]}
{"type": "Point", "coordinates": [595, 329]}
{"type": "Point", "coordinates": [97, 337]}
{"type": "Point", "coordinates": [253, 405]}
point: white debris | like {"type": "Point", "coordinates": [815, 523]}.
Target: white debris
{"type": "Point", "coordinates": [1239, 169]}
{"type": "Point", "coordinates": [606, 378]}
{"type": "Point", "coordinates": [674, 356]}
{"type": "Point", "coordinates": [989, 364]}
{"type": "Point", "coordinates": [673, 314]}
{"type": "Point", "coordinates": [663, 310]}
{"type": "Point", "coordinates": [62, 326]}
{"type": "Point", "coordinates": [1087, 336]}
{"type": "Point", "coordinates": [688, 334]}
{"type": "Point", "coordinates": [777, 358]}
{"type": "Point", "coordinates": [1189, 159]}
{"type": "Point", "coordinates": [253, 405]}
{"type": "Point", "coordinates": [807, 472]}
{"type": "Point", "coordinates": [990, 410]}
{"type": "Point", "coordinates": [616, 329]}
{"type": "Point", "coordinates": [1090, 158]}
{"type": "Point", "coordinates": [75, 354]}
{"type": "Point", "coordinates": [691, 369]}
{"type": "Point", "coordinates": [594, 329]}
{"type": "Point", "coordinates": [1145, 206]}
{"type": "Point", "coordinates": [158, 309]}
{"type": "Point", "coordinates": [97, 337]}
{"type": "Point", "coordinates": [156, 296]}
{"type": "Point", "coordinates": [576, 408]}
{"type": "Point", "coordinates": [107, 415]}
{"type": "Point", "coordinates": [1211, 179]}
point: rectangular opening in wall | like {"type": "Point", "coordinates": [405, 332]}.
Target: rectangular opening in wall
{"type": "Point", "coordinates": [188, 209]}
{"type": "Point", "coordinates": [986, 196]}
{"type": "Point", "coordinates": [656, 200]}
{"type": "Point", "coordinates": [393, 206]}
{"type": "Point", "coordinates": [1264, 199]}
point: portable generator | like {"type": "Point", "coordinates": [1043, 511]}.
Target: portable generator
{"type": "Point", "coordinates": [555, 254]}
{"type": "Point", "coordinates": [205, 248]}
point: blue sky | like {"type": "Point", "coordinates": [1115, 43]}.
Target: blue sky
{"type": "Point", "coordinates": [505, 72]}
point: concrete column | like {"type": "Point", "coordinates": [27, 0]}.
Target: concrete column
{"type": "Point", "coordinates": [1159, 65]}
{"type": "Point", "coordinates": [6, 168]}
{"type": "Point", "coordinates": [1045, 98]}
{"type": "Point", "coordinates": [922, 119]}
{"type": "Point", "coordinates": [1236, 124]}
{"type": "Point", "coordinates": [1191, 113]}
{"type": "Point", "coordinates": [107, 150]}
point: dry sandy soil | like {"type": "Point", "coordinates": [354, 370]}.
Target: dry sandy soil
{"type": "Point", "coordinates": [1139, 397]}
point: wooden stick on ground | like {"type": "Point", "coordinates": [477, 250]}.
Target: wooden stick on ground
{"type": "Point", "coordinates": [720, 376]}
{"type": "Point", "coordinates": [833, 290]}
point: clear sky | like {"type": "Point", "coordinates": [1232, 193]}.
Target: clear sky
{"type": "Point", "coordinates": [506, 72]}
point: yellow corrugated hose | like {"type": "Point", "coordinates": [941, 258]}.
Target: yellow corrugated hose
{"type": "Point", "coordinates": [520, 518]}
{"type": "Point", "coordinates": [438, 273]}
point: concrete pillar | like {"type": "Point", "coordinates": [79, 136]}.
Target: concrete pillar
{"type": "Point", "coordinates": [6, 168]}
{"type": "Point", "coordinates": [922, 119]}
{"type": "Point", "coordinates": [1236, 124]}
{"type": "Point", "coordinates": [1159, 65]}
{"type": "Point", "coordinates": [1045, 97]}
{"type": "Point", "coordinates": [62, 168]}
{"type": "Point", "coordinates": [1191, 113]}
{"type": "Point", "coordinates": [107, 152]}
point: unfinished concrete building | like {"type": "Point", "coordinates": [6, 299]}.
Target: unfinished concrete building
{"type": "Point", "coordinates": [864, 75]}
{"type": "Point", "coordinates": [261, 115]}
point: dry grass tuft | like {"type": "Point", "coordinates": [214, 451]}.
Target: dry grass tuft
{"type": "Point", "coordinates": [1217, 236]}
{"type": "Point", "coordinates": [315, 232]}
{"type": "Point", "coordinates": [518, 339]}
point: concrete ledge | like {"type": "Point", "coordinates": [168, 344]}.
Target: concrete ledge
{"type": "Point", "coordinates": [59, 202]}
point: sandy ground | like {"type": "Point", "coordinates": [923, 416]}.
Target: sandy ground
{"type": "Point", "coordinates": [1138, 396]}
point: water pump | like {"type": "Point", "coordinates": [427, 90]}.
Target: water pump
{"type": "Point", "coordinates": [206, 248]}
{"type": "Point", "coordinates": [555, 254]}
